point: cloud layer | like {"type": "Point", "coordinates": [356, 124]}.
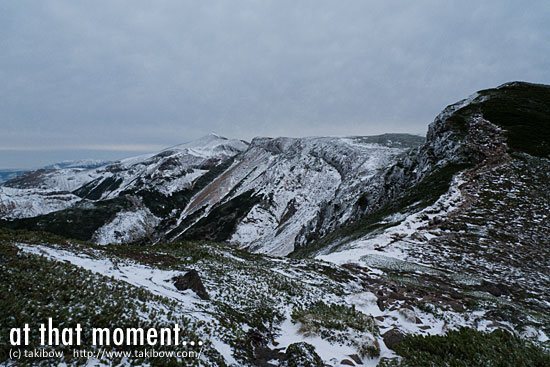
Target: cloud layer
{"type": "Point", "coordinates": [141, 73]}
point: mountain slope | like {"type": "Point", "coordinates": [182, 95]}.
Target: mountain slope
{"type": "Point", "coordinates": [461, 139]}
{"type": "Point", "coordinates": [265, 194]}
{"type": "Point", "coordinates": [291, 179]}
{"type": "Point", "coordinates": [283, 195]}
{"type": "Point", "coordinates": [492, 223]}
{"type": "Point", "coordinates": [152, 185]}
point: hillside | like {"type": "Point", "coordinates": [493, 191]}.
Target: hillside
{"type": "Point", "coordinates": [260, 195]}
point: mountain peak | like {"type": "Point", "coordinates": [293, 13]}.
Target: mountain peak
{"type": "Point", "coordinates": [213, 134]}
{"type": "Point", "coordinates": [523, 84]}
{"type": "Point", "coordinates": [209, 142]}
{"type": "Point", "coordinates": [521, 109]}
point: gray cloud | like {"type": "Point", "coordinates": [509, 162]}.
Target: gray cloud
{"type": "Point", "coordinates": [140, 73]}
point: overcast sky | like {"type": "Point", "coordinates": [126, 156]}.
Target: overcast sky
{"type": "Point", "coordinates": [108, 79]}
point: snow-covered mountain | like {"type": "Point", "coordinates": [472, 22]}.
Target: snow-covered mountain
{"type": "Point", "coordinates": [275, 195]}
{"type": "Point", "coordinates": [269, 194]}
{"type": "Point", "coordinates": [260, 195]}
{"type": "Point", "coordinates": [80, 163]}
{"type": "Point", "coordinates": [9, 174]}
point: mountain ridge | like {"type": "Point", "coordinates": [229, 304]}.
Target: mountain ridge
{"type": "Point", "coordinates": [109, 187]}
{"type": "Point", "coordinates": [294, 194]}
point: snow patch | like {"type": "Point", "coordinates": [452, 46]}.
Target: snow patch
{"type": "Point", "coordinates": [127, 226]}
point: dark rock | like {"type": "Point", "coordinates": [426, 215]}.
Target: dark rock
{"type": "Point", "coordinates": [301, 355]}
{"type": "Point", "coordinates": [393, 337]}
{"type": "Point", "coordinates": [435, 221]}
{"type": "Point", "coordinates": [380, 304]}
{"type": "Point", "coordinates": [260, 352]}
{"type": "Point", "coordinates": [397, 296]}
{"type": "Point", "coordinates": [496, 289]}
{"type": "Point", "coordinates": [456, 306]}
{"type": "Point", "coordinates": [419, 237]}
{"type": "Point", "coordinates": [170, 163]}
{"type": "Point", "coordinates": [191, 280]}
{"type": "Point", "coordinates": [356, 358]}
{"type": "Point", "coordinates": [346, 362]}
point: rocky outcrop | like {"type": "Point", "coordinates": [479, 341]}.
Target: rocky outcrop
{"type": "Point", "coordinates": [259, 351]}
{"type": "Point", "coordinates": [392, 338]}
{"type": "Point", "coordinates": [461, 137]}
{"type": "Point", "coordinates": [496, 289]}
{"type": "Point", "coordinates": [191, 280]}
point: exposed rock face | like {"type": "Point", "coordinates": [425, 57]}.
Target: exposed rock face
{"type": "Point", "coordinates": [461, 137]}
{"type": "Point", "coordinates": [191, 280]}
{"type": "Point", "coordinates": [301, 355]}
{"type": "Point", "coordinates": [295, 179]}
{"type": "Point", "coordinates": [392, 338]}
{"type": "Point", "coordinates": [259, 351]}
{"type": "Point", "coordinates": [496, 289]}
{"type": "Point", "coordinates": [445, 152]}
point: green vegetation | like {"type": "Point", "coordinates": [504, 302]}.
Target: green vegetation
{"type": "Point", "coordinates": [319, 316]}
{"type": "Point", "coordinates": [33, 288]}
{"type": "Point", "coordinates": [338, 323]}
{"type": "Point", "coordinates": [78, 222]}
{"type": "Point", "coordinates": [248, 291]}
{"type": "Point", "coordinates": [301, 355]}
{"type": "Point", "coordinates": [222, 220]}
{"type": "Point", "coordinates": [522, 109]}
{"type": "Point", "coordinates": [469, 348]}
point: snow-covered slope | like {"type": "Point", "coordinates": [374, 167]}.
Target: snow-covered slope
{"type": "Point", "coordinates": [282, 196]}
{"type": "Point", "coordinates": [491, 222]}
{"type": "Point", "coordinates": [80, 163]}
{"type": "Point", "coordinates": [23, 203]}
{"type": "Point", "coordinates": [285, 183]}
{"type": "Point", "coordinates": [261, 195]}
{"type": "Point", "coordinates": [134, 186]}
